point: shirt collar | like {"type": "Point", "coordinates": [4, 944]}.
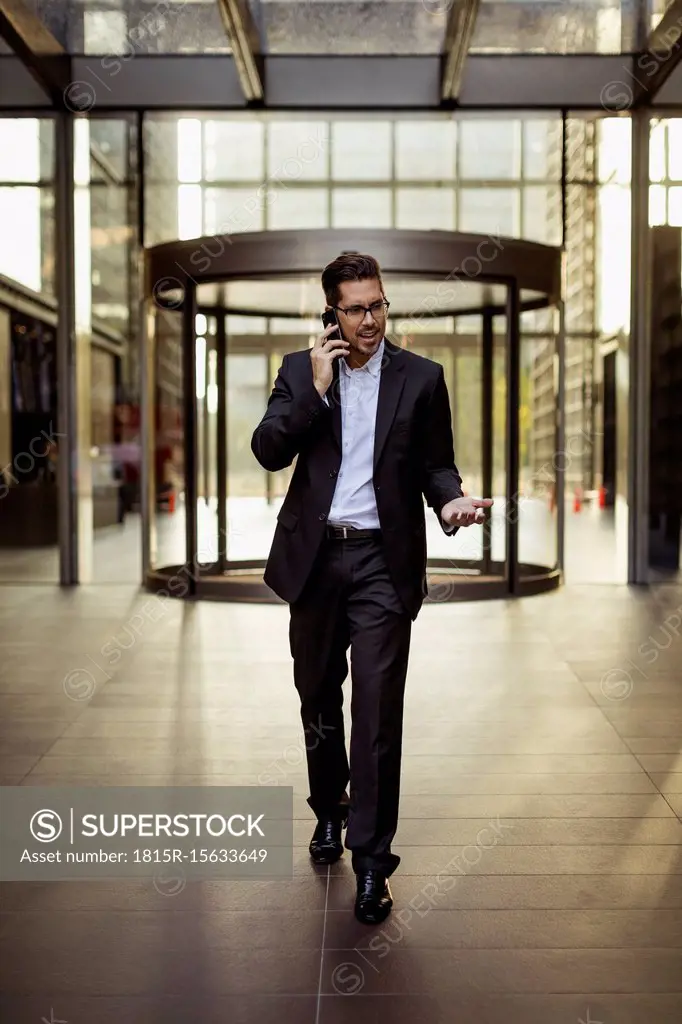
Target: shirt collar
{"type": "Point", "coordinates": [373, 364]}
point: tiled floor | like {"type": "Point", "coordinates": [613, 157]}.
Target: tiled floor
{"type": "Point", "coordinates": [541, 880]}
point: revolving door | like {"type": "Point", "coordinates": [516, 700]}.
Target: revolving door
{"type": "Point", "coordinates": [221, 313]}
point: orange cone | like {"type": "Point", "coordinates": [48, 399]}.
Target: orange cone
{"type": "Point", "coordinates": [577, 500]}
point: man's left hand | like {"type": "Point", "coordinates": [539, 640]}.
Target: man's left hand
{"type": "Point", "coordinates": [465, 511]}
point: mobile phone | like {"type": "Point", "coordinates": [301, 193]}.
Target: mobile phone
{"type": "Point", "coordinates": [329, 317]}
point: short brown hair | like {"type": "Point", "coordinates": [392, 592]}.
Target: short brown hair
{"type": "Point", "coordinates": [351, 266]}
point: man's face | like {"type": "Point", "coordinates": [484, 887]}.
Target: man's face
{"type": "Point", "coordinates": [363, 331]}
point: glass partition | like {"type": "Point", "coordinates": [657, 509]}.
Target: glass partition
{"type": "Point", "coordinates": [107, 290]}
{"type": "Point", "coordinates": [27, 242]}
{"type": "Point", "coordinates": [229, 173]}
{"type": "Point", "coordinates": [539, 457]}
{"type": "Point", "coordinates": [665, 227]}
{"type": "Point", "coordinates": [250, 501]}
{"type": "Point", "coordinates": [207, 426]}
{"type": "Point", "coordinates": [164, 448]}
{"type": "Point", "coordinates": [30, 442]}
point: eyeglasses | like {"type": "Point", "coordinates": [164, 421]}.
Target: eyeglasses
{"type": "Point", "coordinates": [376, 310]}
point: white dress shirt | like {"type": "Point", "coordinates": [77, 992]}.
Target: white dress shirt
{"type": "Point", "coordinates": [354, 503]}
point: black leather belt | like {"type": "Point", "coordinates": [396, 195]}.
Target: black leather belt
{"type": "Point", "coordinates": [350, 533]}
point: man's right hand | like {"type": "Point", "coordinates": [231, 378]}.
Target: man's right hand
{"type": "Point", "coordinates": [322, 354]}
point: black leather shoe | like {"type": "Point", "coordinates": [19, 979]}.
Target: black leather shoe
{"type": "Point", "coordinates": [374, 901]}
{"type": "Point", "coordinates": [326, 845]}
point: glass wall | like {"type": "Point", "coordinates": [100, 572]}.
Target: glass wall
{"type": "Point", "coordinates": [165, 453]}
{"type": "Point", "coordinates": [105, 211]}
{"type": "Point", "coordinates": [112, 227]}
{"type": "Point", "coordinates": [597, 308]}
{"type": "Point", "coordinates": [106, 290]}
{"type": "Point", "coordinates": [222, 175]}
{"type": "Point", "coordinates": [30, 444]}
{"type": "Point", "coordinates": [248, 173]}
{"type": "Point", "coordinates": [665, 191]}
{"type": "Point", "coordinates": [665, 220]}
{"type": "Point", "coordinates": [598, 315]}
{"type": "Point", "coordinates": [27, 202]}
{"type": "Point", "coordinates": [539, 457]}
{"type": "Point", "coordinates": [612, 305]}
{"type": "Point", "coordinates": [252, 500]}
{"type": "Point", "coordinates": [231, 173]}
{"type": "Point", "coordinates": [482, 174]}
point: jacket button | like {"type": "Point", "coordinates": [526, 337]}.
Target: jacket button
{"type": "Point", "coordinates": [322, 516]}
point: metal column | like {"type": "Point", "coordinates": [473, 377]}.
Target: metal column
{"type": "Point", "coordinates": [189, 379]}
{"type": "Point", "coordinates": [487, 356]}
{"type": "Point", "coordinates": [560, 427]}
{"type": "Point", "coordinates": [148, 482]}
{"type": "Point", "coordinates": [513, 434]}
{"type": "Point", "coordinates": [221, 449]}
{"type": "Point", "coordinates": [67, 420]}
{"type": "Point", "coordinates": [639, 398]}
{"type": "Point", "coordinates": [206, 428]}
{"type": "Point", "coordinates": [269, 480]}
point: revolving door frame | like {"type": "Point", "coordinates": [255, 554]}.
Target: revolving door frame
{"type": "Point", "coordinates": [261, 255]}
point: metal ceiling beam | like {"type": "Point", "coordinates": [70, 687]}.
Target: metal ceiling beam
{"type": "Point", "coordinates": [661, 55]}
{"type": "Point", "coordinates": [191, 82]}
{"type": "Point", "coordinates": [36, 47]}
{"type": "Point", "coordinates": [458, 34]}
{"type": "Point", "coordinates": [243, 35]}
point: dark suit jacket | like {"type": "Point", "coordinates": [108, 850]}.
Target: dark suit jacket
{"type": "Point", "coordinates": [413, 456]}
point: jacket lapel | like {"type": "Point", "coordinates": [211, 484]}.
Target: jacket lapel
{"type": "Point", "coordinates": [334, 397]}
{"type": "Point", "coordinates": [391, 386]}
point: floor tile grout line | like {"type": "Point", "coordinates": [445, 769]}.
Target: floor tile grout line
{"type": "Point", "coordinates": [324, 936]}
{"type": "Point", "coordinates": [647, 772]}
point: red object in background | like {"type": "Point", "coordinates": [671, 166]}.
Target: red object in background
{"type": "Point", "coordinates": [577, 499]}
{"type": "Point", "coordinates": [602, 497]}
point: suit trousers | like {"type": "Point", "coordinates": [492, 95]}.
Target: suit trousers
{"type": "Point", "coordinates": [349, 601]}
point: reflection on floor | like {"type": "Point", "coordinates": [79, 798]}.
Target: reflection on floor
{"type": "Point", "coordinates": [541, 840]}
{"type": "Point", "coordinates": [591, 542]}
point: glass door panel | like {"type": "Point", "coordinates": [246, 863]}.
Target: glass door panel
{"type": "Point", "coordinates": [166, 462]}
{"type": "Point", "coordinates": [207, 426]}
{"type": "Point", "coordinates": [250, 504]}
{"type": "Point", "coordinates": [538, 456]}
{"type": "Point", "coordinates": [498, 386]}
{"type": "Point", "coordinates": [474, 369]}
{"type": "Point", "coordinates": [278, 483]}
{"type": "Point", "coordinates": [438, 544]}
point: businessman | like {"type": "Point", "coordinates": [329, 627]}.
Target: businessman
{"type": "Point", "coordinates": [369, 425]}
